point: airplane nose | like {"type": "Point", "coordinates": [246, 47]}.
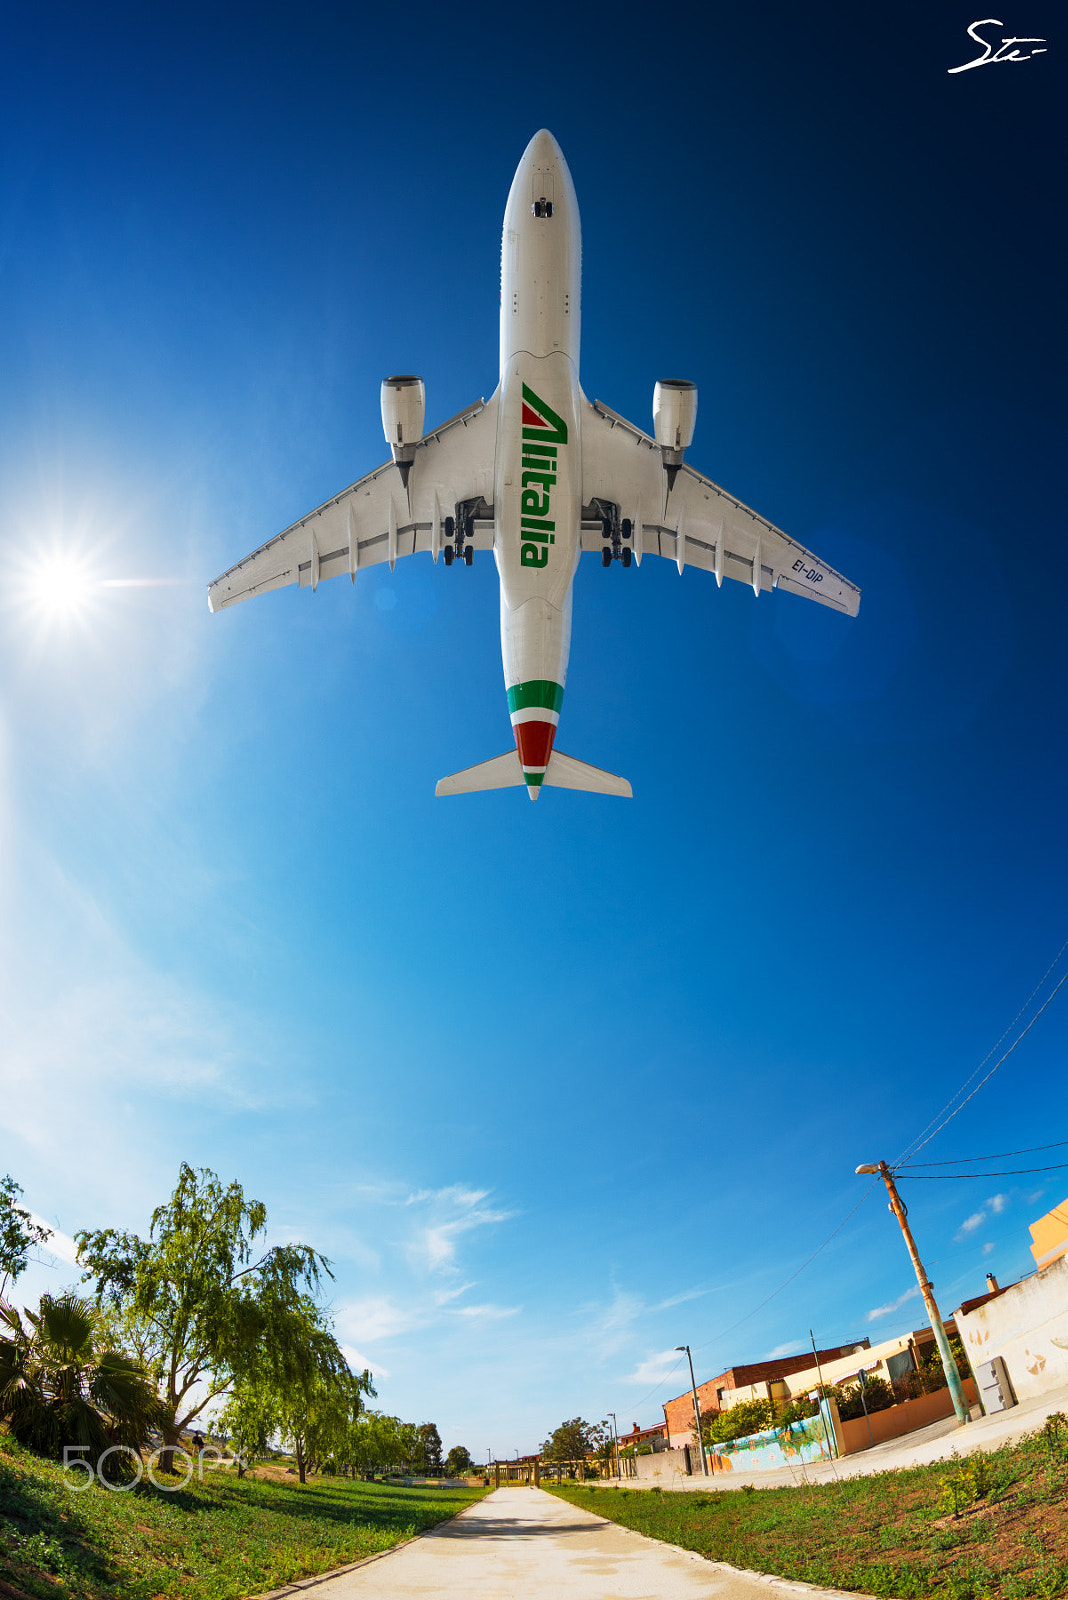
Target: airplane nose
{"type": "Point", "coordinates": [543, 149]}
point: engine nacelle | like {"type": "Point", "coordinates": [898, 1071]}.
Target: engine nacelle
{"type": "Point", "coordinates": [674, 416]}
{"type": "Point", "coordinates": [403, 410]}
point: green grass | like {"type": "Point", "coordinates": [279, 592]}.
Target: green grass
{"type": "Point", "coordinates": [889, 1534]}
{"type": "Point", "coordinates": [216, 1540]}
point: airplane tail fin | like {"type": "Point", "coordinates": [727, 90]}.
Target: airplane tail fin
{"type": "Point", "coordinates": [505, 772]}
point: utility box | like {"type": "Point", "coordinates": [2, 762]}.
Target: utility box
{"type": "Point", "coordinates": [995, 1390]}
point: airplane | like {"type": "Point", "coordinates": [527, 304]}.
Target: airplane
{"type": "Point", "coordinates": [538, 475]}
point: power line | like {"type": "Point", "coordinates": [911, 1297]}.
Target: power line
{"type": "Point", "coordinates": [916, 1145]}
{"type": "Point", "coordinates": [1004, 1156]}
{"type": "Point", "coordinates": [948, 1177]}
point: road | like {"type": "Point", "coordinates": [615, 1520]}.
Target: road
{"type": "Point", "coordinates": [524, 1544]}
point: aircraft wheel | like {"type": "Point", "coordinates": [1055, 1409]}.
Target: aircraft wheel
{"type": "Point", "coordinates": [606, 556]}
{"type": "Point", "coordinates": [626, 527]}
{"type": "Point", "coordinates": [627, 557]}
{"type": "Point", "coordinates": [469, 555]}
{"type": "Point", "coordinates": [448, 553]}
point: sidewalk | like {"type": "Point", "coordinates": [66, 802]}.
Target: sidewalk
{"type": "Point", "coordinates": [934, 1443]}
{"type": "Point", "coordinates": [523, 1544]}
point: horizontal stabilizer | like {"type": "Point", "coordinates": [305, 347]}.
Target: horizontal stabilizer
{"type": "Point", "coordinates": [564, 772]}
{"type": "Point", "coordinates": [502, 772]}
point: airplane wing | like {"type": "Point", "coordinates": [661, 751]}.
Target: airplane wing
{"type": "Point", "coordinates": [377, 519]}
{"type": "Point", "coordinates": [702, 525]}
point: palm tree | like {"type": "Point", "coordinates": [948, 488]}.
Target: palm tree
{"type": "Point", "coordinates": [63, 1384]}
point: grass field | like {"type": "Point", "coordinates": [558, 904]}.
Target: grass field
{"type": "Point", "coordinates": [892, 1534]}
{"type": "Point", "coordinates": [216, 1540]}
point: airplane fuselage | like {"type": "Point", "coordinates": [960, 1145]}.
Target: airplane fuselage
{"type": "Point", "coordinates": [538, 469]}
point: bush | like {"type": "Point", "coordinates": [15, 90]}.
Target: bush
{"type": "Point", "coordinates": [747, 1417]}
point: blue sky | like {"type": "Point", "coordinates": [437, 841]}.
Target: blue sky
{"type": "Point", "coordinates": [557, 1087]}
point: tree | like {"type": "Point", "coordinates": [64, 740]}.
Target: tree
{"type": "Point", "coordinates": [207, 1304]}
{"type": "Point", "coordinates": [458, 1463]}
{"type": "Point", "coordinates": [428, 1457]}
{"type": "Point", "coordinates": [62, 1385]}
{"type": "Point", "coordinates": [250, 1420]}
{"type": "Point", "coordinates": [317, 1417]}
{"type": "Point", "coordinates": [573, 1441]}
{"type": "Point", "coordinates": [18, 1233]}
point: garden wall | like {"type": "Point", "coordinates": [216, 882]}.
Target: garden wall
{"type": "Point", "coordinates": [900, 1419]}
{"type": "Point", "coordinates": [1027, 1326]}
{"type": "Point", "coordinates": [778, 1447]}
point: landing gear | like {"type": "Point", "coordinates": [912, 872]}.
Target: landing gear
{"type": "Point", "coordinates": [616, 534]}
{"type": "Point", "coordinates": [459, 531]}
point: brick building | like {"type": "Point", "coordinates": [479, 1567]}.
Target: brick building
{"type": "Point", "coordinates": [763, 1379]}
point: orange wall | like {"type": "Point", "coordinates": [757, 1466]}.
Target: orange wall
{"type": "Point", "coordinates": [903, 1418]}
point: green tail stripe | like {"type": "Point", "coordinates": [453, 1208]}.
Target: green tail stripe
{"type": "Point", "coordinates": [533, 779]}
{"type": "Point", "coordinates": [536, 692]}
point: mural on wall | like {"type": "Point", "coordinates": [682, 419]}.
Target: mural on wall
{"type": "Point", "coordinates": [787, 1446]}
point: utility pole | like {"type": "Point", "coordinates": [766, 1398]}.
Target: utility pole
{"type": "Point", "coordinates": [949, 1366]}
{"type": "Point", "coordinates": [696, 1409]}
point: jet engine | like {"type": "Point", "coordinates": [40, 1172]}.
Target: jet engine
{"type": "Point", "coordinates": [403, 410]}
{"type": "Point", "coordinates": [674, 415]}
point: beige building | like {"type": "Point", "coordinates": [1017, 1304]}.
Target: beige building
{"type": "Point", "coordinates": [889, 1360]}
{"type": "Point", "coordinates": [1049, 1236]}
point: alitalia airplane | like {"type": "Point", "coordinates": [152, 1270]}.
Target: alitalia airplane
{"type": "Point", "coordinates": [538, 475]}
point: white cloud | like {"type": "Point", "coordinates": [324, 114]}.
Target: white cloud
{"type": "Point", "coordinates": [375, 1317]}
{"type": "Point", "coordinates": [893, 1305]}
{"type": "Point", "coordinates": [655, 1368]}
{"type": "Point", "coordinates": [58, 1244]}
{"type": "Point", "coordinates": [997, 1203]}
{"type": "Point", "coordinates": [987, 1248]}
{"type": "Point", "coordinates": [442, 1297]}
{"type": "Point", "coordinates": [488, 1313]}
{"type": "Point", "coordinates": [359, 1362]}
{"type": "Point", "coordinates": [453, 1211]}
{"type": "Point", "coordinates": [792, 1348]}
{"type": "Point", "coordinates": [970, 1224]}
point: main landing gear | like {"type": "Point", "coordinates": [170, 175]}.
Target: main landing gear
{"type": "Point", "coordinates": [616, 534]}
{"type": "Point", "coordinates": [458, 531]}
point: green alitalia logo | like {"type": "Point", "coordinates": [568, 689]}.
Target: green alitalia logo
{"type": "Point", "coordinates": [543, 434]}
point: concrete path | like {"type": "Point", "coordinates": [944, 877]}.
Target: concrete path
{"type": "Point", "coordinates": [524, 1544]}
{"type": "Point", "coordinates": [934, 1443]}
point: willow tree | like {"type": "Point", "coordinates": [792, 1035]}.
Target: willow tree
{"type": "Point", "coordinates": [206, 1303]}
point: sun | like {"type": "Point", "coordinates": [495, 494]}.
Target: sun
{"type": "Point", "coordinates": [60, 587]}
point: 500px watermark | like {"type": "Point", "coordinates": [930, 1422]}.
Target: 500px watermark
{"type": "Point", "coordinates": [74, 1458]}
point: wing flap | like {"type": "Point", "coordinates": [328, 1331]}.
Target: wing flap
{"type": "Point", "coordinates": [376, 519]}
{"type": "Point", "coordinates": [621, 464]}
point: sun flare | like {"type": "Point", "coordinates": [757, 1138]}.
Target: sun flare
{"type": "Point", "coordinates": [60, 587]}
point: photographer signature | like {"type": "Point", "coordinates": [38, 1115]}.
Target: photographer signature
{"type": "Point", "coordinates": [990, 55]}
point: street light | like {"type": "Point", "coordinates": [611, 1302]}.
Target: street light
{"type": "Point", "coordinates": [696, 1409]}
{"type": "Point", "coordinates": [949, 1366]}
{"type": "Point", "coordinates": [615, 1439]}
